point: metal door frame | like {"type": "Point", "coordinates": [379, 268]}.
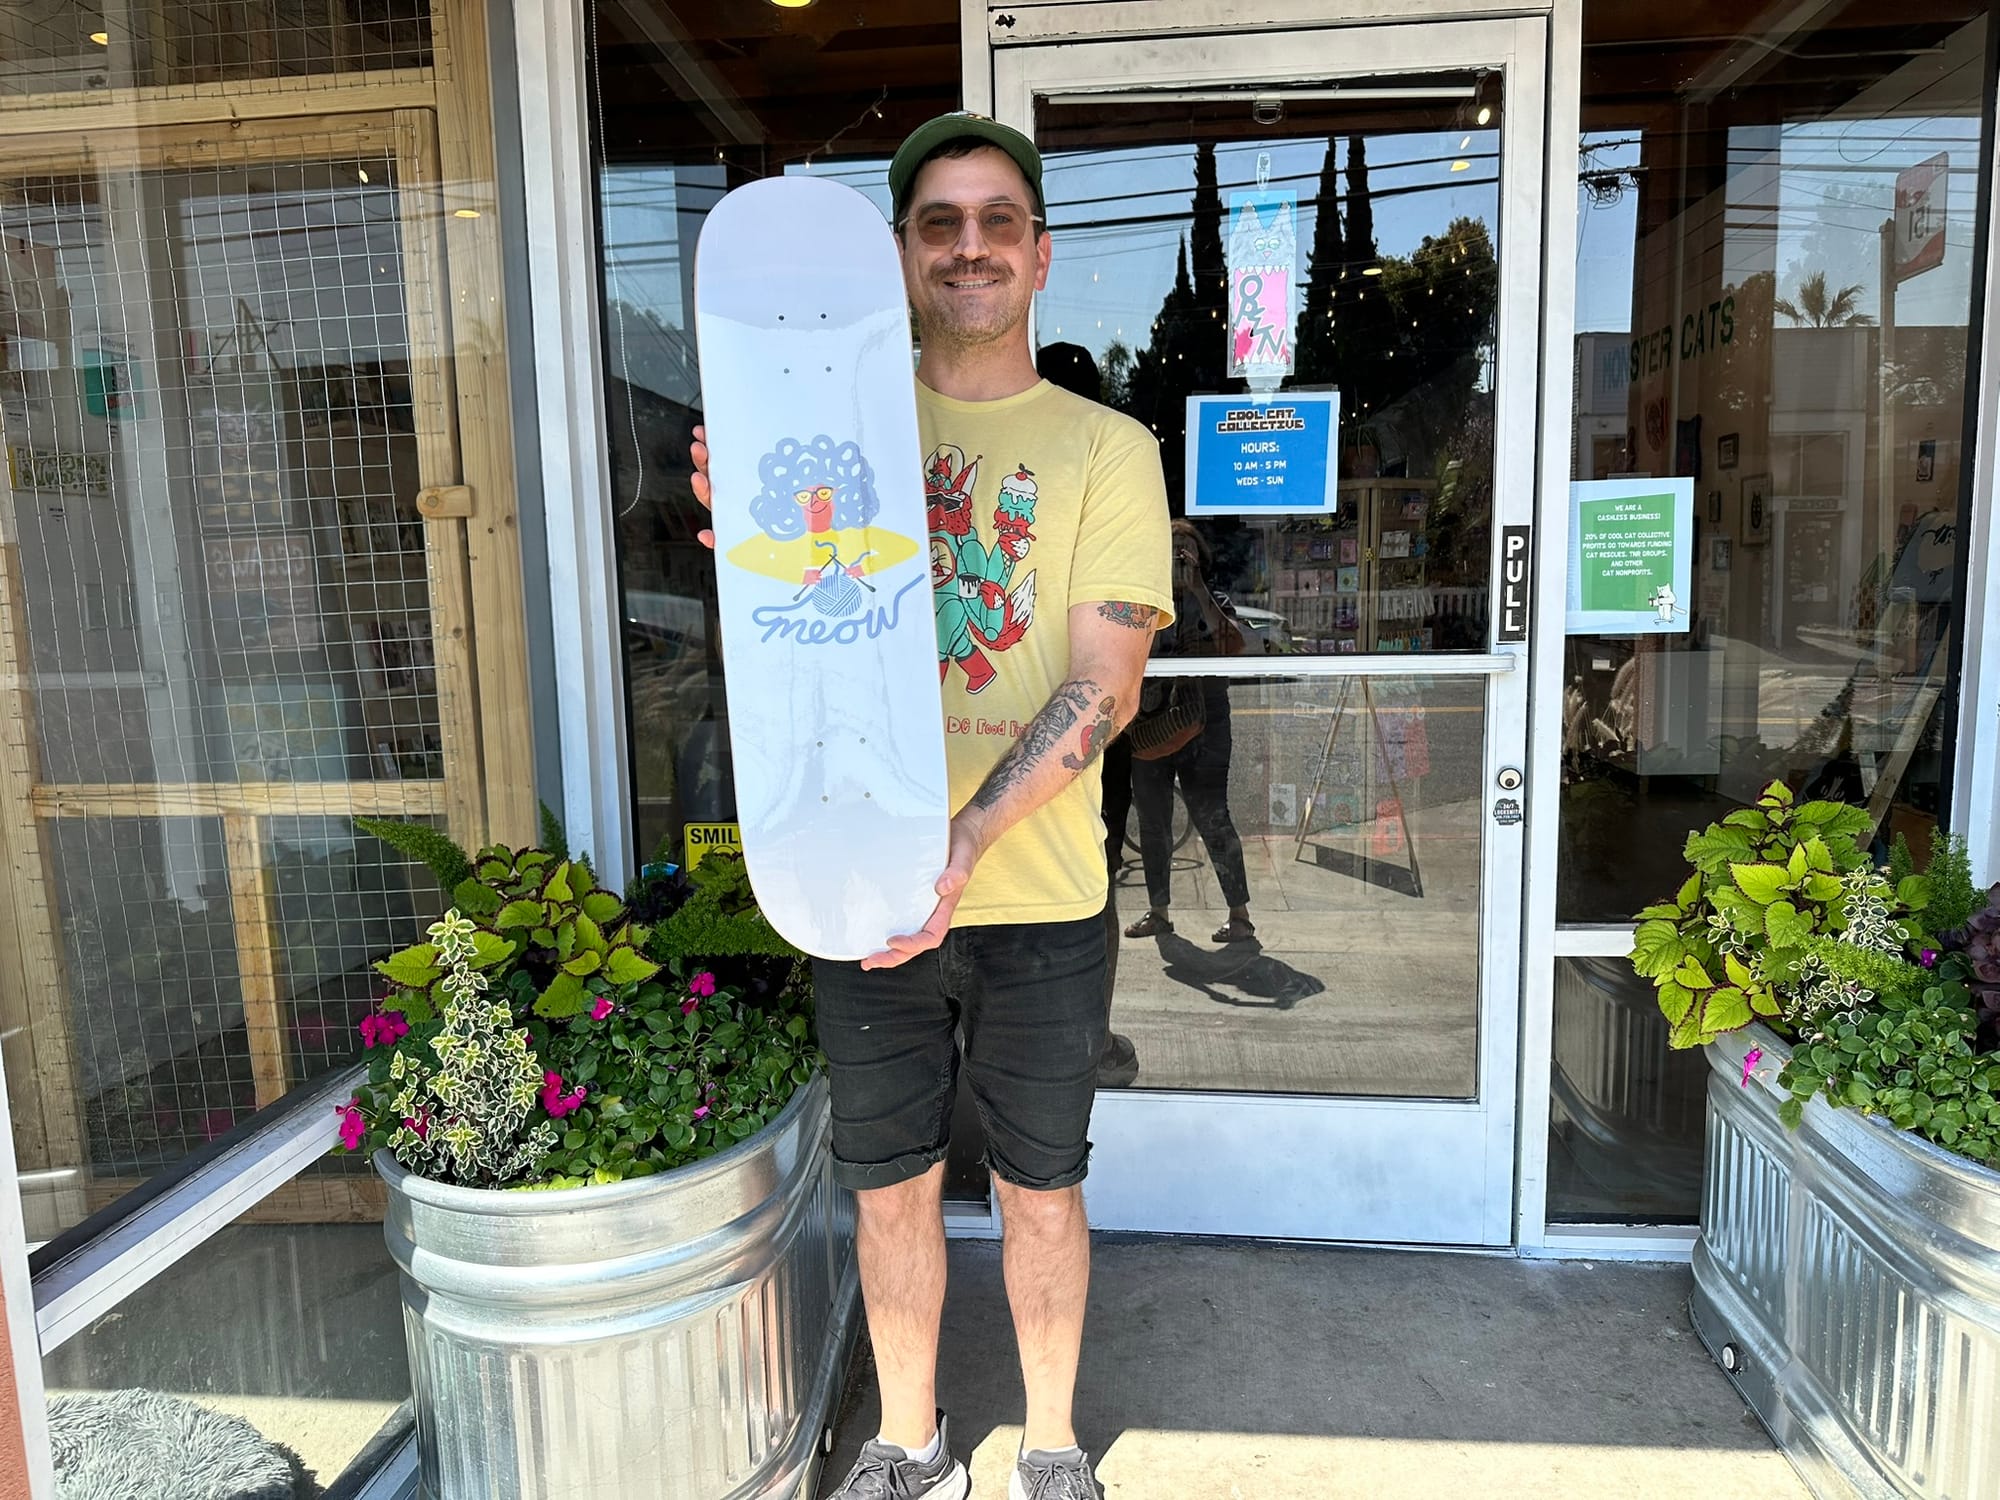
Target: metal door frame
{"type": "Point", "coordinates": [1425, 1171]}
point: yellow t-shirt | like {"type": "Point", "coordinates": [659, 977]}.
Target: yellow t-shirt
{"type": "Point", "coordinates": [1036, 502]}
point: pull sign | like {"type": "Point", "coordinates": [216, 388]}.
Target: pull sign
{"type": "Point", "coordinates": [1516, 548]}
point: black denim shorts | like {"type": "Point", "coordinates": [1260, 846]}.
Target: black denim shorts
{"type": "Point", "coordinates": [1020, 1008]}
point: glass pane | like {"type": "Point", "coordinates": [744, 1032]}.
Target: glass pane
{"type": "Point", "coordinates": [1628, 1120]}
{"type": "Point", "coordinates": [1382, 241]}
{"type": "Point", "coordinates": [295, 1329]}
{"type": "Point", "coordinates": [67, 47]}
{"type": "Point", "coordinates": [1775, 292]}
{"type": "Point", "coordinates": [1341, 818]}
{"type": "Point", "coordinates": [669, 152]}
{"type": "Point", "coordinates": [219, 403]}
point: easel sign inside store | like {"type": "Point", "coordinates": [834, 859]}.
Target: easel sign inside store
{"type": "Point", "coordinates": [1631, 556]}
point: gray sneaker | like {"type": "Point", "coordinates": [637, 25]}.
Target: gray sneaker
{"type": "Point", "coordinates": [885, 1472]}
{"type": "Point", "coordinates": [1054, 1476]}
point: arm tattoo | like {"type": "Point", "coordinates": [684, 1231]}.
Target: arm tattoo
{"type": "Point", "coordinates": [1057, 718]}
{"type": "Point", "coordinates": [1131, 616]}
{"type": "Point", "coordinates": [1096, 735]}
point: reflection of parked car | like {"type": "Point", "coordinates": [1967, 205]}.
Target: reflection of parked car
{"type": "Point", "coordinates": [1264, 630]}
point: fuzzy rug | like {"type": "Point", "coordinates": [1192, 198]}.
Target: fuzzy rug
{"type": "Point", "coordinates": [141, 1445]}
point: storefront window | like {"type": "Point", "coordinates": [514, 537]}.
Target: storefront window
{"type": "Point", "coordinates": [238, 354]}
{"type": "Point", "coordinates": [1776, 293]}
{"type": "Point", "coordinates": [698, 99]}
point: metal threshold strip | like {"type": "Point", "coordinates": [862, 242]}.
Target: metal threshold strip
{"type": "Point", "coordinates": [1391, 665]}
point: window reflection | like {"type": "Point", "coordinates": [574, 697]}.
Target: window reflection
{"type": "Point", "coordinates": [1775, 288]}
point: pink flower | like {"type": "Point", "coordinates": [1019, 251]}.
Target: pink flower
{"type": "Point", "coordinates": [353, 1129]}
{"type": "Point", "coordinates": [1750, 1060]}
{"type": "Point", "coordinates": [703, 984]}
{"type": "Point", "coordinates": [421, 1125]}
{"type": "Point", "coordinates": [1929, 958]}
{"type": "Point", "coordinates": [702, 1110]}
{"type": "Point", "coordinates": [602, 1008]}
{"type": "Point", "coordinates": [384, 1029]}
{"type": "Point", "coordinates": [688, 1005]}
{"type": "Point", "coordinates": [555, 1101]}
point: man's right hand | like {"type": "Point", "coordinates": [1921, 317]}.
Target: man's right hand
{"type": "Point", "coordinates": [698, 451]}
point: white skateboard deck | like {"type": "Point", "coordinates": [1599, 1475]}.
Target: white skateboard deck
{"type": "Point", "coordinates": [822, 563]}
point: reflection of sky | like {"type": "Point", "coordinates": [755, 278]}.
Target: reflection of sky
{"type": "Point", "coordinates": [1109, 277]}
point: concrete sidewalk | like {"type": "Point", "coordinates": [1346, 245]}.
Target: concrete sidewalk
{"type": "Point", "coordinates": [1216, 1371]}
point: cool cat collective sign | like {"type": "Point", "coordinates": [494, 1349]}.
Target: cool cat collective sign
{"type": "Point", "coordinates": [1631, 556]}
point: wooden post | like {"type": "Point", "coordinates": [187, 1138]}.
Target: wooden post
{"type": "Point", "coordinates": [435, 413]}
{"type": "Point", "coordinates": [46, 1102]}
{"type": "Point", "coordinates": [472, 230]}
{"type": "Point", "coordinates": [257, 956]}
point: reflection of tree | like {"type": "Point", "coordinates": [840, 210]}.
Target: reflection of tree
{"type": "Point", "coordinates": [1817, 307]}
{"type": "Point", "coordinates": [1743, 377]}
{"type": "Point", "coordinates": [1116, 373]}
{"type": "Point", "coordinates": [1186, 352]}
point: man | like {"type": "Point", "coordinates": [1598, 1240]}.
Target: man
{"type": "Point", "coordinates": [1050, 571]}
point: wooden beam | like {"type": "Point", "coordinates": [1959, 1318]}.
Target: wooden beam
{"type": "Point", "coordinates": [485, 417]}
{"type": "Point", "coordinates": [435, 407]}
{"type": "Point", "coordinates": [217, 103]}
{"type": "Point", "coordinates": [94, 149]}
{"type": "Point", "coordinates": [264, 799]}
{"type": "Point", "coordinates": [311, 1199]}
{"type": "Point", "coordinates": [256, 924]}
{"type": "Point", "coordinates": [34, 993]}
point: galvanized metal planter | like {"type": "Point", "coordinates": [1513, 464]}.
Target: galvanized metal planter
{"type": "Point", "coordinates": [679, 1337]}
{"type": "Point", "coordinates": [1848, 1279]}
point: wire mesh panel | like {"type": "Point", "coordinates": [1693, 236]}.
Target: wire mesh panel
{"type": "Point", "coordinates": [221, 394]}
{"type": "Point", "coordinates": [68, 47]}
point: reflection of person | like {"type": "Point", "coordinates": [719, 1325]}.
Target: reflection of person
{"type": "Point", "coordinates": [1201, 765]}
{"type": "Point", "coordinates": [1050, 575]}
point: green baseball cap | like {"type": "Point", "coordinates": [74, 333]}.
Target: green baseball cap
{"type": "Point", "coordinates": [960, 124]}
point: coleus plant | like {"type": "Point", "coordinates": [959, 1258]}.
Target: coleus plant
{"type": "Point", "coordinates": [568, 939]}
{"type": "Point", "coordinates": [1784, 918]}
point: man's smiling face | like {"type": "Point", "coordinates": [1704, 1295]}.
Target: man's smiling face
{"type": "Point", "coordinates": [972, 292]}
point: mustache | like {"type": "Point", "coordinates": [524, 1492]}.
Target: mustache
{"type": "Point", "coordinates": [985, 268]}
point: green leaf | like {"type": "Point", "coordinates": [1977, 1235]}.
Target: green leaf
{"type": "Point", "coordinates": [1675, 1001]}
{"type": "Point", "coordinates": [602, 907]}
{"type": "Point", "coordinates": [627, 965]}
{"type": "Point", "coordinates": [489, 948]}
{"type": "Point", "coordinates": [1822, 887]}
{"type": "Point", "coordinates": [1727, 1009]}
{"type": "Point", "coordinates": [1796, 865]}
{"type": "Point", "coordinates": [477, 900]}
{"type": "Point", "coordinates": [1914, 892]}
{"type": "Point", "coordinates": [1763, 1001]}
{"type": "Point", "coordinates": [1836, 820]}
{"type": "Point", "coordinates": [1747, 817]}
{"type": "Point", "coordinates": [415, 967]}
{"type": "Point", "coordinates": [562, 999]}
{"type": "Point", "coordinates": [584, 964]}
{"type": "Point", "coordinates": [1664, 911]}
{"type": "Point", "coordinates": [521, 914]}
{"type": "Point", "coordinates": [1761, 883]}
{"type": "Point", "coordinates": [1792, 1113]}
{"type": "Point", "coordinates": [1692, 974]}
{"type": "Point", "coordinates": [1686, 1032]}
{"type": "Point", "coordinates": [1786, 926]}
{"type": "Point", "coordinates": [1818, 856]}
{"type": "Point", "coordinates": [1656, 948]}
{"type": "Point", "coordinates": [558, 886]}
{"type": "Point", "coordinates": [1777, 794]}
{"type": "Point", "coordinates": [1689, 893]}
{"type": "Point", "coordinates": [1738, 972]}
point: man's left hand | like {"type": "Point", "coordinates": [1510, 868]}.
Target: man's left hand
{"type": "Point", "coordinates": [966, 847]}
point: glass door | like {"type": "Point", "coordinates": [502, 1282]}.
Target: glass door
{"type": "Point", "coordinates": [1338, 233]}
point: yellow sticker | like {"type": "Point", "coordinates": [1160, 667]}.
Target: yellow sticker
{"type": "Point", "coordinates": [699, 840]}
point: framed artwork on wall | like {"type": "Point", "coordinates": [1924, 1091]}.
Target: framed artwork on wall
{"type": "Point", "coordinates": [1753, 510]}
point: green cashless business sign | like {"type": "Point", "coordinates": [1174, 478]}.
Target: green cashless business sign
{"type": "Point", "coordinates": [1631, 556]}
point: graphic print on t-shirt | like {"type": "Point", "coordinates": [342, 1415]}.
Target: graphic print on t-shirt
{"type": "Point", "coordinates": [980, 606]}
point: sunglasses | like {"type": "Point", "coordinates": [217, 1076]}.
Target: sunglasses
{"type": "Point", "coordinates": [1002, 224]}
